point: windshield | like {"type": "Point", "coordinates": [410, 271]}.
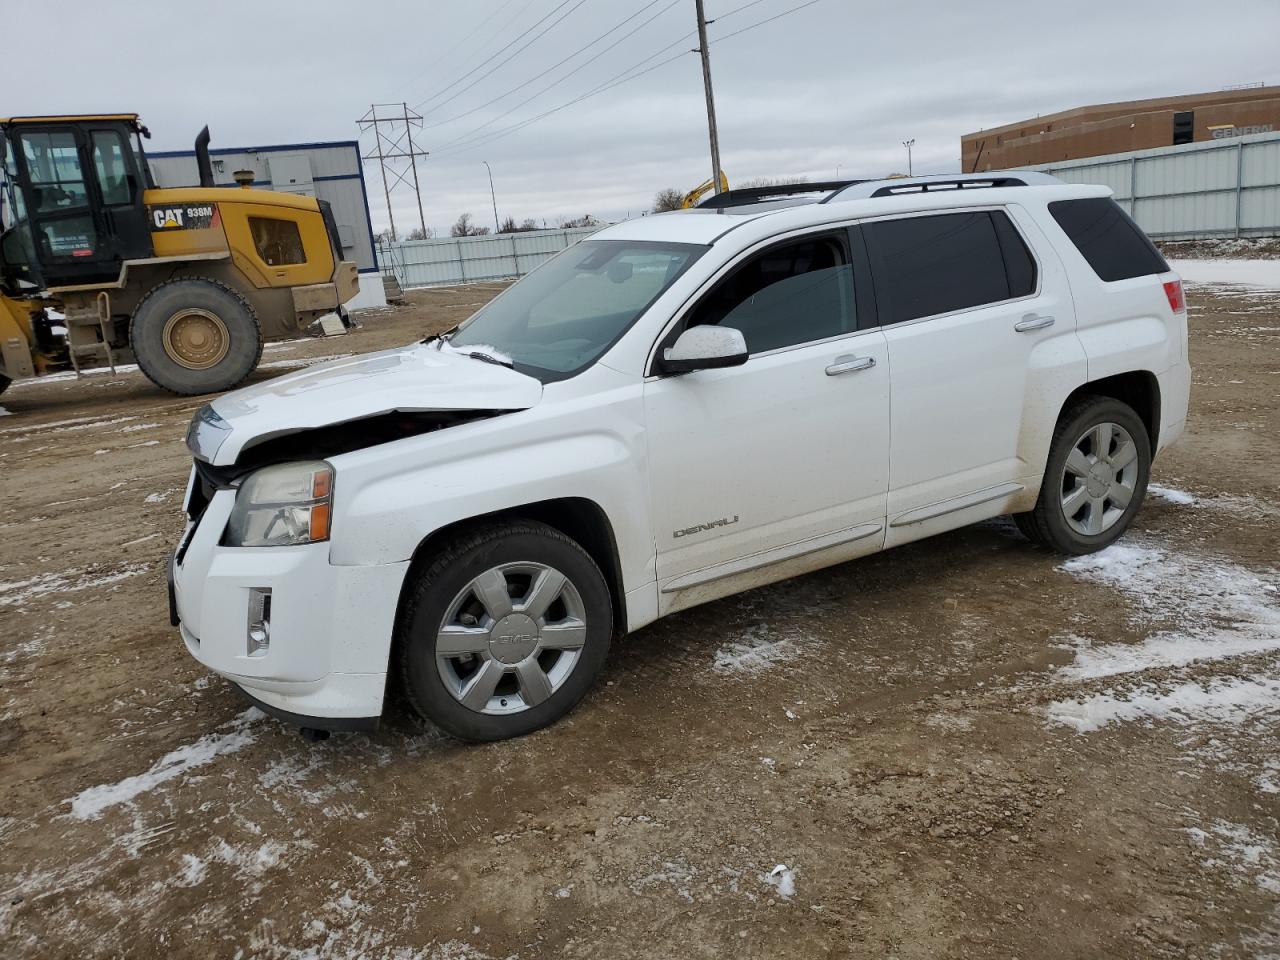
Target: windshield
{"type": "Point", "coordinates": [565, 314]}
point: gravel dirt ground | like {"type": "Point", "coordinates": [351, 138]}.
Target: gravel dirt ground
{"type": "Point", "coordinates": [960, 748]}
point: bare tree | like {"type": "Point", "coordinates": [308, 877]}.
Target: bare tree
{"type": "Point", "coordinates": [668, 199]}
{"type": "Point", "coordinates": [417, 233]}
{"type": "Point", "coordinates": [463, 227]}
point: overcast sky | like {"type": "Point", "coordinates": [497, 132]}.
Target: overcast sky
{"type": "Point", "coordinates": [836, 83]}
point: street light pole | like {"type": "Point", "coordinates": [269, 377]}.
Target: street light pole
{"type": "Point", "coordinates": [492, 196]}
{"type": "Point", "coordinates": [909, 144]}
{"type": "Point", "coordinates": [711, 101]}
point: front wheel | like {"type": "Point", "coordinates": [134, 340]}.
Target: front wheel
{"type": "Point", "coordinates": [1095, 480]}
{"type": "Point", "coordinates": [505, 632]}
{"type": "Point", "coordinates": [195, 335]}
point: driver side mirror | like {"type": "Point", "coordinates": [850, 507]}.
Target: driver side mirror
{"type": "Point", "coordinates": [705, 348]}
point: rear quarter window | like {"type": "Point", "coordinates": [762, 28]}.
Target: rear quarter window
{"type": "Point", "coordinates": [1112, 244]}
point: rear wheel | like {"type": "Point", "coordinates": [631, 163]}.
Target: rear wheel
{"type": "Point", "coordinates": [505, 632]}
{"type": "Point", "coordinates": [1095, 480]}
{"type": "Point", "coordinates": [195, 336]}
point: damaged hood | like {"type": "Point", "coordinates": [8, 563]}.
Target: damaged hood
{"type": "Point", "coordinates": [416, 379]}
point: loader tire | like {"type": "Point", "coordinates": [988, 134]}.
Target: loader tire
{"type": "Point", "coordinates": [195, 336]}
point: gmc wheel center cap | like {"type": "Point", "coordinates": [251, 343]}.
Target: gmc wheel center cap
{"type": "Point", "coordinates": [1101, 476]}
{"type": "Point", "coordinates": [513, 638]}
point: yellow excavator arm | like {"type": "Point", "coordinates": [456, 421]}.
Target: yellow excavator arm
{"type": "Point", "coordinates": [697, 193]}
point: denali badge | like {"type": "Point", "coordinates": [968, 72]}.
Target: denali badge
{"type": "Point", "coordinates": [704, 527]}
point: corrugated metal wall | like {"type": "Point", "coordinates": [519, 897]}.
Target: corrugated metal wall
{"type": "Point", "coordinates": [327, 171]}
{"type": "Point", "coordinates": [1223, 188]}
{"type": "Point", "coordinates": [430, 263]}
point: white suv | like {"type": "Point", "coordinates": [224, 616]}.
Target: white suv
{"type": "Point", "coordinates": [679, 408]}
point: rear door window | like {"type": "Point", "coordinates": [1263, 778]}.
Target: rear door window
{"type": "Point", "coordinates": [953, 261]}
{"type": "Point", "coordinates": [1114, 246]}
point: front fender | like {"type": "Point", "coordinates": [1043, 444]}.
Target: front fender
{"type": "Point", "coordinates": [388, 499]}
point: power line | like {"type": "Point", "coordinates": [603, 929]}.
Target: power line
{"type": "Point", "coordinates": [463, 143]}
{"type": "Point", "coordinates": [453, 52]}
{"type": "Point", "coordinates": [560, 63]}
{"type": "Point", "coordinates": [761, 23]}
{"type": "Point", "coordinates": [492, 120]}
{"type": "Point", "coordinates": [531, 40]}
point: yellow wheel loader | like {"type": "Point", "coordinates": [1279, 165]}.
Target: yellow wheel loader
{"type": "Point", "coordinates": [99, 267]}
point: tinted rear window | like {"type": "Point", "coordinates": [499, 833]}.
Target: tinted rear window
{"type": "Point", "coordinates": [929, 265]}
{"type": "Point", "coordinates": [1111, 242]}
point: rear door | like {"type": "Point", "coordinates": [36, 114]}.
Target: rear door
{"type": "Point", "coordinates": [982, 349]}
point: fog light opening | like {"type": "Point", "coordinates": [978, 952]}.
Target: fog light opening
{"type": "Point", "coordinates": [258, 632]}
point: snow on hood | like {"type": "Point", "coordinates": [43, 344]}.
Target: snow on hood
{"type": "Point", "coordinates": [420, 378]}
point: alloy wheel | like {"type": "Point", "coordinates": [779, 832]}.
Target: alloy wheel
{"type": "Point", "coordinates": [510, 638]}
{"type": "Point", "coordinates": [1099, 478]}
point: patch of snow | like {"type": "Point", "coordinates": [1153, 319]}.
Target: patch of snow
{"type": "Point", "coordinates": [563, 893]}
{"type": "Point", "coordinates": [20, 591]}
{"type": "Point", "coordinates": [66, 375]}
{"type": "Point", "coordinates": [1231, 701]}
{"type": "Point", "coordinates": [783, 879]}
{"type": "Point", "coordinates": [160, 497]}
{"type": "Point", "coordinates": [89, 804]}
{"type": "Point", "coordinates": [1172, 495]}
{"type": "Point", "coordinates": [193, 870]}
{"type": "Point", "coordinates": [5, 413]}
{"type": "Point", "coordinates": [1241, 851]}
{"type": "Point", "coordinates": [756, 650]}
{"type": "Point", "coordinates": [1251, 273]}
{"type": "Point", "coordinates": [139, 426]}
{"type": "Point", "coordinates": [1218, 608]}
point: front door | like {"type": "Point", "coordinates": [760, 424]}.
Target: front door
{"type": "Point", "coordinates": [778, 466]}
{"type": "Point", "coordinates": [119, 182]}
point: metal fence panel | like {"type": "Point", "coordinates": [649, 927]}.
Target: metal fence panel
{"type": "Point", "coordinates": [444, 262]}
{"type": "Point", "coordinates": [1222, 188]}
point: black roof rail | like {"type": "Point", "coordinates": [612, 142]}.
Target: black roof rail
{"type": "Point", "coordinates": [905, 186]}
{"type": "Point", "coordinates": [957, 184]}
{"type": "Point", "coordinates": [747, 195]}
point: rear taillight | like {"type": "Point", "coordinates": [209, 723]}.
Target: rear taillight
{"type": "Point", "coordinates": [1177, 299]}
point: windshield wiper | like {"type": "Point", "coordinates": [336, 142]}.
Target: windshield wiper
{"type": "Point", "coordinates": [441, 336]}
{"type": "Point", "coordinates": [487, 358]}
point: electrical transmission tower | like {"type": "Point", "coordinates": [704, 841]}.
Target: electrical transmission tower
{"type": "Point", "coordinates": [395, 151]}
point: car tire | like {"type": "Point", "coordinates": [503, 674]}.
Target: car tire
{"type": "Point", "coordinates": [484, 650]}
{"type": "Point", "coordinates": [4, 383]}
{"type": "Point", "coordinates": [1090, 495]}
{"type": "Point", "coordinates": [195, 336]}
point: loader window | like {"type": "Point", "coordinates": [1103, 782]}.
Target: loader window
{"type": "Point", "coordinates": [57, 181]}
{"type": "Point", "coordinates": [278, 241]}
{"type": "Point", "coordinates": [112, 168]}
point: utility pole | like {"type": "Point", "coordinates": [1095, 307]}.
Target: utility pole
{"type": "Point", "coordinates": [392, 148]}
{"type": "Point", "coordinates": [492, 196]}
{"type": "Point", "coordinates": [711, 100]}
{"type": "Point", "coordinates": [909, 144]}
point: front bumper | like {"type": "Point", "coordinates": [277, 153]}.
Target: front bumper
{"type": "Point", "coordinates": [330, 627]}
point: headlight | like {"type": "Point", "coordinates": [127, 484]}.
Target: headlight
{"type": "Point", "coordinates": [282, 505]}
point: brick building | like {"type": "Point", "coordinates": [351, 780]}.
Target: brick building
{"type": "Point", "coordinates": [1119, 127]}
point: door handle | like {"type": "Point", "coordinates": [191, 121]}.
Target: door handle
{"type": "Point", "coordinates": [1033, 322]}
{"type": "Point", "coordinates": [849, 364]}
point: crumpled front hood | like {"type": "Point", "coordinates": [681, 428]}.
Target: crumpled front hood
{"type": "Point", "coordinates": [415, 379]}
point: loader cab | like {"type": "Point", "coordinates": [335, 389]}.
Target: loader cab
{"type": "Point", "coordinates": [72, 206]}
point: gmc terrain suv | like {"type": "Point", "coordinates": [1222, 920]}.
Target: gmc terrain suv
{"type": "Point", "coordinates": [681, 407]}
